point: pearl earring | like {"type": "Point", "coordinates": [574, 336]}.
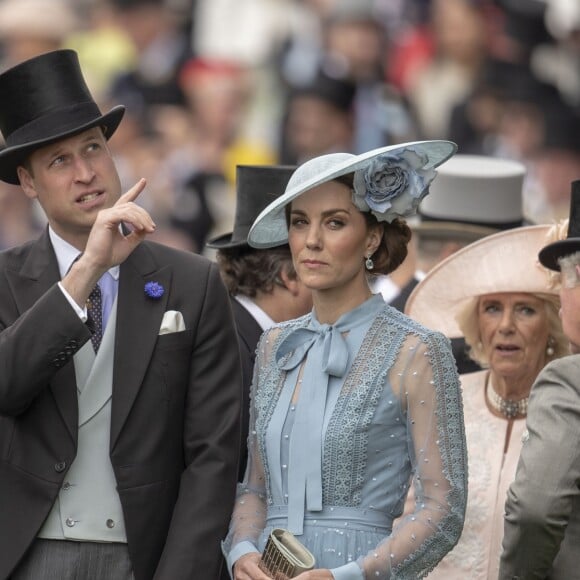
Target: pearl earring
{"type": "Point", "coordinates": [550, 348]}
{"type": "Point", "coordinates": [369, 264]}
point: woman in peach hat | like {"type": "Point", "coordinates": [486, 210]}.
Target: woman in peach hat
{"type": "Point", "coordinates": [495, 293]}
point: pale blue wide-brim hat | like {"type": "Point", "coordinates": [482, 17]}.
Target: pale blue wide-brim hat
{"type": "Point", "coordinates": [389, 182]}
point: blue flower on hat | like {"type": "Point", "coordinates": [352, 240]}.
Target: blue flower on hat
{"type": "Point", "coordinates": [393, 184]}
{"type": "Point", "coordinates": [154, 290]}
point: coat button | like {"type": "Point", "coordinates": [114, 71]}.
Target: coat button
{"type": "Point", "coordinates": [60, 466]}
{"type": "Point", "coordinates": [66, 485]}
{"type": "Point", "coordinates": [110, 523]}
{"type": "Point", "coordinates": [70, 522]}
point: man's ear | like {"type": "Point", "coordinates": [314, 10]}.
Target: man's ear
{"type": "Point", "coordinates": [26, 182]}
{"type": "Point", "coordinates": [290, 283]}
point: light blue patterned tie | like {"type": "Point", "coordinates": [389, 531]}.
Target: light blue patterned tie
{"type": "Point", "coordinates": [99, 305]}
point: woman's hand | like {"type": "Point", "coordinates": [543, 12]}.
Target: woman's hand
{"type": "Point", "coordinates": [320, 574]}
{"type": "Point", "coordinates": [246, 568]}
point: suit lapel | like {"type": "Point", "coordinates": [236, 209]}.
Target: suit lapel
{"type": "Point", "coordinates": [38, 274]}
{"type": "Point", "coordinates": [138, 322]}
{"type": "Point", "coordinates": [249, 331]}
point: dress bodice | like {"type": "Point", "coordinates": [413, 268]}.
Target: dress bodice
{"type": "Point", "coordinates": [342, 418]}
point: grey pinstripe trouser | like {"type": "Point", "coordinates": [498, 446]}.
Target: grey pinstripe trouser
{"type": "Point", "coordinates": [66, 560]}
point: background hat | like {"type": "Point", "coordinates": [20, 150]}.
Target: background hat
{"type": "Point", "coordinates": [561, 127]}
{"type": "Point", "coordinates": [551, 253]}
{"type": "Point", "coordinates": [270, 228]}
{"type": "Point", "coordinates": [30, 18]}
{"type": "Point", "coordinates": [256, 187]}
{"type": "Point", "coordinates": [338, 91]}
{"type": "Point", "coordinates": [473, 196]}
{"type": "Point", "coordinates": [45, 99]}
{"type": "Point", "coordinates": [502, 262]}
{"type": "Point", "coordinates": [349, 11]}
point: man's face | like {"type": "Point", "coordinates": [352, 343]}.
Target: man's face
{"type": "Point", "coordinates": [316, 127]}
{"type": "Point", "coordinates": [73, 179]}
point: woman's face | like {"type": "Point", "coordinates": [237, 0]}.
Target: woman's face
{"type": "Point", "coordinates": [514, 332]}
{"type": "Point", "coordinates": [329, 238]}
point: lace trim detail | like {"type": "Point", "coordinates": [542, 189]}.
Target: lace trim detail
{"type": "Point", "coordinates": [271, 381]}
{"type": "Point", "coordinates": [346, 442]}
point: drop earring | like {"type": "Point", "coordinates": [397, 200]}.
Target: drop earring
{"type": "Point", "coordinates": [369, 264]}
{"type": "Point", "coordinates": [550, 348]}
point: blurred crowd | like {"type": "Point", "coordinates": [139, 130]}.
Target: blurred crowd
{"type": "Point", "coordinates": [211, 84]}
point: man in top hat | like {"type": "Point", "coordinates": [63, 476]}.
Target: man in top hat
{"type": "Point", "coordinates": [121, 386]}
{"type": "Point", "coordinates": [542, 514]}
{"type": "Point", "coordinates": [262, 283]}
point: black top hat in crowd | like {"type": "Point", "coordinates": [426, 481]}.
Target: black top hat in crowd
{"type": "Point", "coordinates": [256, 187]}
{"type": "Point", "coordinates": [335, 90]}
{"type": "Point", "coordinates": [42, 100]}
{"type": "Point", "coordinates": [550, 254]}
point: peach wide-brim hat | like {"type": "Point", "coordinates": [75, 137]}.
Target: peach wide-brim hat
{"type": "Point", "coordinates": [502, 262]}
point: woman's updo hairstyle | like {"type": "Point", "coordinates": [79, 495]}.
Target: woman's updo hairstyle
{"type": "Point", "coordinates": [393, 248]}
{"type": "Point", "coordinates": [394, 242]}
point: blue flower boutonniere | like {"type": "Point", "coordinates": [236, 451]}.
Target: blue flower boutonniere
{"type": "Point", "coordinates": [393, 184]}
{"type": "Point", "coordinates": [154, 290]}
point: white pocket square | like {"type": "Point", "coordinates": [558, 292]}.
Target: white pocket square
{"type": "Point", "coordinates": [172, 322]}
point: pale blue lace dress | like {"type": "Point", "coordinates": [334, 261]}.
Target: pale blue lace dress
{"type": "Point", "coordinates": [342, 418]}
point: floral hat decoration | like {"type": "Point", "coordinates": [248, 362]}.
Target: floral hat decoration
{"type": "Point", "coordinates": [389, 182]}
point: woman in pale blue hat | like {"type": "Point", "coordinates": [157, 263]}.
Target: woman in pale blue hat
{"type": "Point", "coordinates": [353, 401]}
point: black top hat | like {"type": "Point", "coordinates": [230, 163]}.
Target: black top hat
{"type": "Point", "coordinates": [550, 254]}
{"type": "Point", "coordinates": [338, 91]}
{"type": "Point", "coordinates": [256, 187]}
{"type": "Point", "coordinates": [42, 100]}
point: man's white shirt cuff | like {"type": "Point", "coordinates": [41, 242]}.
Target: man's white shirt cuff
{"type": "Point", "coordinates": [81, 312]}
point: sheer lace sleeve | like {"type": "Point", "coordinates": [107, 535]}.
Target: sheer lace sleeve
{"type": "Point", "coordinates": [424, 377]}
{"type": "Point", "coordinates": [249, 515]}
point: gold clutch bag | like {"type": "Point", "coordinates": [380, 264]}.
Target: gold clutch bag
{"type": "Point", "coordinates": [284, 556]}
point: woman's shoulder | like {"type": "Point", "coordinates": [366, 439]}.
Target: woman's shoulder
{"type": "Point", "coordinates": [280, 330]}
{"type": "Point", "coordinates": [408, 325]}
{"type": "Point", "coordinates": [289, 325]}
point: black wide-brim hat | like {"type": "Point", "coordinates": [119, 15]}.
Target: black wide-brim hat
{"type": "Point", "coordinates": [256, 187]}
{"type": "Point", "coordinates": [42, 100]}
{"type": "Point", "coordinates": [550, 254]}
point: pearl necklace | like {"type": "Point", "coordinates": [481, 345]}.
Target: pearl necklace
{"type": "Point", "coordinates": [509, 409]}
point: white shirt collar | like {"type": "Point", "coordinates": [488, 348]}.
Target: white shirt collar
{"type": "Point", "coordinates": [259, 315]}
{"type": "Point", "coordinates": [66, 254]}
{"type": "Point", "coordinates": [385, 286]}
